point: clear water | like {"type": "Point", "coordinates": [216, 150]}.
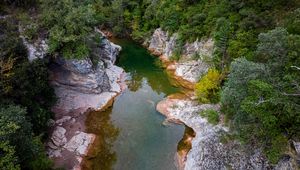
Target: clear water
{"type": "Point", "coordinates": [130, 134]}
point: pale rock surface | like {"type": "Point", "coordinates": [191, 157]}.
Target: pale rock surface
{"type": "Point", "coordinates": [208, 152]}
{"type": "Point", "coordinates": [58, 137]}
{"type": "Point", "coordinates": [188, 68]}
{"type": "Point", "coordinates": [192, 70]}
{"type": "Point", "coordinates": [79, 143]}
{"type": "Point", "coordinates": [79, 86]}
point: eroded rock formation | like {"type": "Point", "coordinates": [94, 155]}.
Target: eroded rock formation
{"type": "Point", "coordinates": [79, 85]}
{"type": "Point", "coordinates": [208, 150]}
{"type": "Point", "coordinates": [192, 64]}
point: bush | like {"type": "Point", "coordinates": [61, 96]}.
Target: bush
{"type": "Point", "coordinates": [69, 23]}
{"type": "Point", "coordinates": [207, 89]}
{"type": "Point", "coordinates": [211, 115]}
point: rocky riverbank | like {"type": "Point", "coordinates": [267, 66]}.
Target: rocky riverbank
{"type": "Point", "coordinates": [206, 148]}
{"type": "Point", "coordinates": [80, 86]}
{"type": "Point", "coordinates": [209, 149]}
{"type": "Point", "coordinates": [194, 60]}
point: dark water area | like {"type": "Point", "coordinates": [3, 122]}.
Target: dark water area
{"type": "Point", "coordinates": [130, 134]}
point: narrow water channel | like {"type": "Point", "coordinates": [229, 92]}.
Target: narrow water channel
{"type": "Point", "coordinates": [130, 134]}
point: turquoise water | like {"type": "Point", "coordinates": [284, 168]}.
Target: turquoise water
{"type": "Point", "coordinates": [132, 136]}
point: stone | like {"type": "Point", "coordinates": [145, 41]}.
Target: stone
{"type": "Point", "coordinates": [54, 153]}
{"type": "Point", "coordinates": [188, 68]}
{"type": "Point", "coordinates": [79, 143]}
{"type": "Point", "coordinates": [297, 147]}
{"type": "Point", "coordinates": [52, 146]}
{"type": "Point", "coordinates": [191, 71]}
{"type": "Point", "coordinates": [63, 120]}
{"type": "Point", "coordinates": [158, 42]}
{"type": "Point", "coordinates": [58, 136]}
{"type": "Point", "coordinates": [208, 152]}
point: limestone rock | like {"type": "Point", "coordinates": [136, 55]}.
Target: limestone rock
{"type": "Point", "coordinates": [202, 48]}
{"type": "Point", "coordinates": [208, 152]}
{"type": "Point", "coordinates": [58, 137]}
{"type": "Point", "coordinates": [79, 143]}
{"type": "Point", "coordinates": [191, 71]}
{"type": "Point", "coordinates": [63, 120]}
{"type": "Point", "coordinates": [188, 68]}
{"type": "Point", "coordinates": [297, 147]}
{"type": "Point", "coordinates": [158, 42]}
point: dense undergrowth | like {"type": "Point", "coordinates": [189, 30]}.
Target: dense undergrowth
{"type": "Point", "coordinates": [256, 62]}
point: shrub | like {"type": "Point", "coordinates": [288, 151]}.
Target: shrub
{"type": "Point", "coordinates": [207, 89]}
{"type": "Point", "coordinates": [211, 115]}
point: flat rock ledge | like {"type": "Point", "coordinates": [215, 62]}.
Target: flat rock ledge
{"type": "Point", "coordinates": [208, 151]}
{"type": "Point", "coordinates": [69, 142]}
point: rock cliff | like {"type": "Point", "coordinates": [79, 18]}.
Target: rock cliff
{"type": "Point", "coordinates": [208, 150]}
{"type": "Point", "coordinates": [194, 56]}
{"type": "Point", "coordinates": [79, 85]}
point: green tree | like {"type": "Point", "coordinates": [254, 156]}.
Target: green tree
{"type": "Point", "coordinates": [221, 38]}
{"type": "Point", "coordinates": [235, 89]}
{"type": "Point", "coordinates": [69, 22]}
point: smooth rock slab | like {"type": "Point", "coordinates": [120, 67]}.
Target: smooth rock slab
{"type": "Point", "coordinates": [79, 143]}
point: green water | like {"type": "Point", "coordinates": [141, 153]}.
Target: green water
{"type": "Point", "coordinates": [130, 134]}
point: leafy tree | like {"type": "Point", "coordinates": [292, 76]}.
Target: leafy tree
{"type": "Point", "coordinates": [69, 22]}
{"type": "Point", "coordinates": [235, 89]}
{"type": "Point", "coordinates": [207, 89]}
{"type": "Point", "coordinates": [31, 89]}
{"type": "Point", "coordinates": [16, 138]}
{"type": "Point", "coordinates": [293, 22]}
{"type": "Point", "coordinates": [221, 38]}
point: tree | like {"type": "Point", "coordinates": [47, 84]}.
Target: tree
{"type": "Point", "coordinates": [235, 89]}
{"type": "Point", "coordinates": [17, 145]}
{"type": "Point", "coordinates": [221, 38]}
{"type": "Point", "coordinates": [207, 89]}
{"type": "Point", "coordinates": [69, 22]}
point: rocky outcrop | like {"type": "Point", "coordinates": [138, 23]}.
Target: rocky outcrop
{"type": "Point", "coordinates": [36, 49]}
{"type": "Point", "coordinates": [208, 151]}
{"type": "Point", "coordinates": [80, 85]}
{"type": "Point", "coordinates": [192, 64]}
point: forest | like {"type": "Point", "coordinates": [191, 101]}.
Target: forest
{"type": "Point", "coordinates": [256, 59]}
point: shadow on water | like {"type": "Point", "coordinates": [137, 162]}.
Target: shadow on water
{"type": "Point", "coordinates": [101, 155]}
{"type": "Point", "coordinates": [130, 134]}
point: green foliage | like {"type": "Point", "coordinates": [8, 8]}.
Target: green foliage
{"type": "Point", "coordinates": [31, 89]}
{"type": "Point", "coordinates": [25, 101]}
{"type": "Point", "coordinates": [211, 115]}
{"type": "Point", "coordinates": [18, 147]}
{"type": "Point", "coordinates": [234, 91]}
{"type": "Point", "coordinates": [293, 22]}
{"type": "Point", "coordinates": [221, 39]}
{"type": "Point", "coordinates": [243, 45]}
{"type": "Point", "coordinates": [263, 99]}
{"type": "Point", "coordinates": [69, 22]}
{"type": "Point", "coordinates": [8, 160]}
{"type": "Point", "coordinates": [207, 89]}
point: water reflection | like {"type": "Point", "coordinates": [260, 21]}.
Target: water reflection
{"type": "Point", "coordinates": [101, 156]}
{"type": "Point", "coordinates": [130, 134]}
